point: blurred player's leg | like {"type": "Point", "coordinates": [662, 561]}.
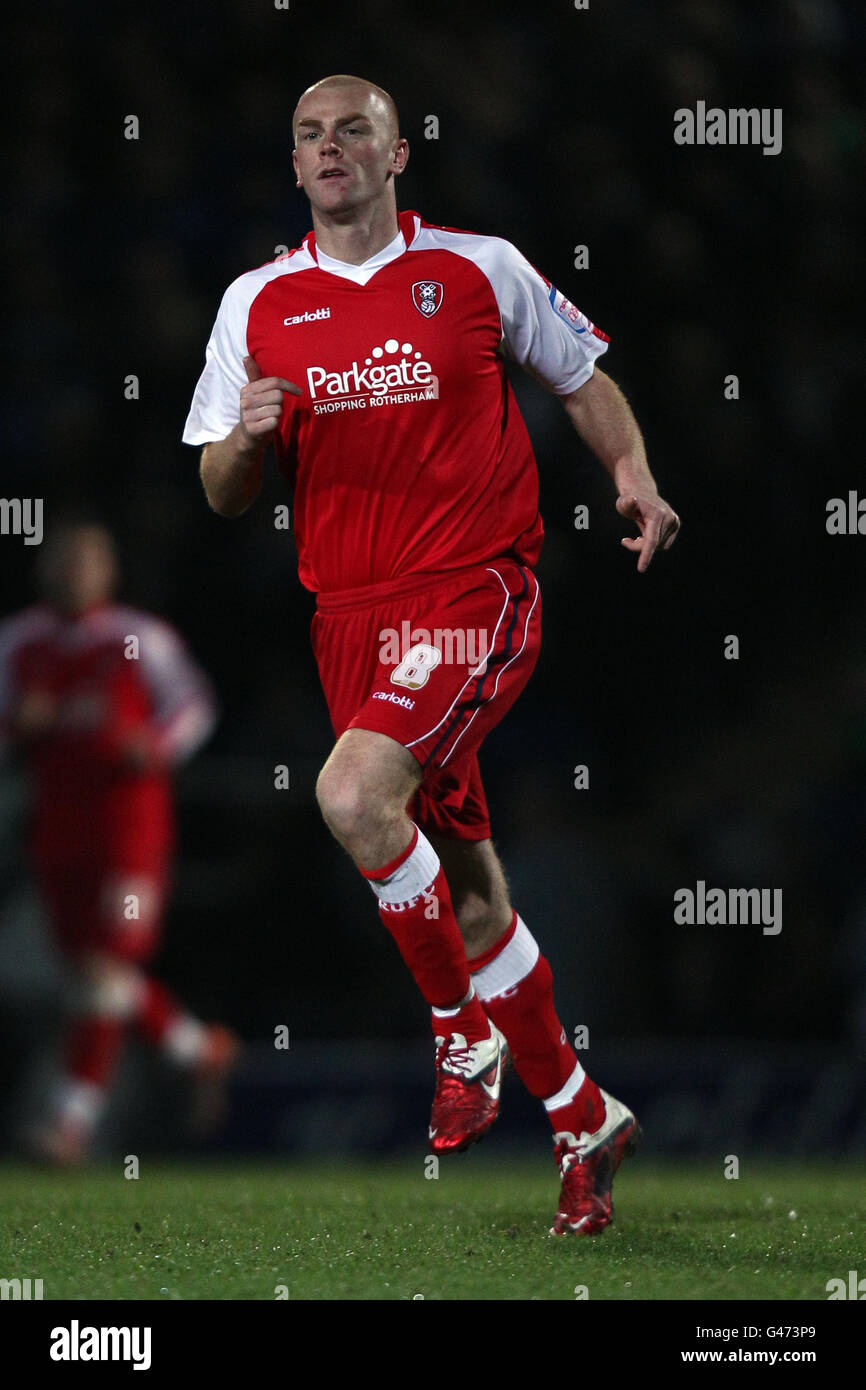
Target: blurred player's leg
{"type": "Point", "coordinates": [166, 1024]}
{"type": "Point", "coordinates": [101, 994]}
{"type": "Point", "coordinates": [108, 995]}
{"type": "Point", "coordinates": [208, 1051]}
{"type": "Point", "coordinates": [363, 791]}
{"type": "Point", "coordinates": [153, 1009]}
{"type": "Point", "coordinates": [109, 990]}
{"type": "Point", "coordinates": [592, 1131]}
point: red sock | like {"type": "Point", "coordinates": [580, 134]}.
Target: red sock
{"type": "Point", "coordinates": [515, 984]}
{"type": "Point", "coordinates": [468, 1019]}
{"type": "Point", "coordinates": [415, 906]}
{"type": "Point", "coordinates": [581, 1107]}
{"type": "Point", "coordinates": [92, 1046]}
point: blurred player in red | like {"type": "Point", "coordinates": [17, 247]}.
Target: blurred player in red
{"type": "Point", "coordinates": [101, 701]}
{"type": "Point", "coordinates": [373, 358]}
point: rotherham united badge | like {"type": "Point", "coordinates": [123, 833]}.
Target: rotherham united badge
{"type": "Point", "coordinates": [427, 296]}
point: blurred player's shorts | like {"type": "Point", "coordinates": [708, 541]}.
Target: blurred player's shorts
{"type": "Point", "coordinates": [105, 908]}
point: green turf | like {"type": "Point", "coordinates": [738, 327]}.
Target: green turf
{"type": "Point", "coordinates": [368, 1231]}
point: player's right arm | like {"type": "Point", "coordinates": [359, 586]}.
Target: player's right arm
{"type": "Point", "coordinates": [235, 411]}
{"type": "Point", "coordinates": [231, 468]}
{"type": "Point", "coordinates": [28, 711]}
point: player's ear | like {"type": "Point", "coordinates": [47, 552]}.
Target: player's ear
{"type": "Point", "coordinates": [295, 166]}
{"type": "Point", "coordinates": [400, 157]}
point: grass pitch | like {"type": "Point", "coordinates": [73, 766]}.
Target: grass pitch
{"type": "Point", "coordinates": [383, 1231]}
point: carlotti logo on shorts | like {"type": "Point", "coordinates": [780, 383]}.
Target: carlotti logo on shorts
{"type": "Point", "coordinates": [396, 374]}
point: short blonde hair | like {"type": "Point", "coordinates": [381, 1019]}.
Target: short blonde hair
{"type": "Point", "coordinates": [344, 79]}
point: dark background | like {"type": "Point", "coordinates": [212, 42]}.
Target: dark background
{"type": "Point", "coordinates": [555, 130]}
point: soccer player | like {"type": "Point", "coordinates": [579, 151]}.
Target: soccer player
{"type": "Point", "coordinates": [101, 701]}
{"type": "Point", "coordinates": [372, 358]}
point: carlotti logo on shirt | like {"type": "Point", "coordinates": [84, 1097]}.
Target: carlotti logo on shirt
{"type": "Point", "coordinates": [395, 374]}
{"type": "Point", "coordinates": [309, 316]}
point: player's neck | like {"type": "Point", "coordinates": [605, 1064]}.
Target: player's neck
{"type": "Point", "coordinates": [369, 232]}
{"type": "Point", "coordinates": [74, 612]}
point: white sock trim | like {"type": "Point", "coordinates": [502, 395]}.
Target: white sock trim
{"type": "Point", "coordinates": [184, 1040]}
{"type": "Point", "coordinates": [115, 994]}
{"type": "Point", "coordinates": [512, 965]}
{"type": "Point", "coordinates": [452, 1013]}
{"type": "Point", "coordinates": [80, 1103]}
{"type": "Point", "coordinates": [569, 1090]}
{"type": "Point", "coordinates": [411, 881]}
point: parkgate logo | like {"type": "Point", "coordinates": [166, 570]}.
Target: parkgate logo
{"type": "Point", "coordinates": [394, 374]}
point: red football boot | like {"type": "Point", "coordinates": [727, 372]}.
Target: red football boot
{"type": "Point", "coordinates": [62, 1144]}
{"type": "Point", "coordinates": [468, 1081]}
{"type": "Point", "coordinates": [211, 1074]}
{"type": "Point", "coordinates": [588, 1165]}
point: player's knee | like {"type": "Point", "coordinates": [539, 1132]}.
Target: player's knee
{"type": "Point", "coordinates": [104, 986]}
{"type": "Point", "coordinates": [351, 813]}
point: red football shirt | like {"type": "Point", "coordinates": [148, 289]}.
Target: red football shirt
{"type": "Point", "coordinates": [407, 452]}
{"type": "Point", "coordinates": [112, 672]}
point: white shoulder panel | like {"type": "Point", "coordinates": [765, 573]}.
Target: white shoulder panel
{"type": "Point", "coordinates": [542, 330]}
{"type": "Point", "coordinates": [214, 410]}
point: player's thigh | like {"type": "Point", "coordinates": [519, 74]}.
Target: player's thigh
{"type": "Point", "coordinates": [131, 912]}
{"type": "Point", "coordinates": [105, 909]}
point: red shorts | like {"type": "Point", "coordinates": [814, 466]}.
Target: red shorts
{"type": "Point", "coordinates": [106, 909]}
{"type": "Point", "coordinates": [434, 662]}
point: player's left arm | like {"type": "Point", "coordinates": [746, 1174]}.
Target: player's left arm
{"type": "Point", "coordinates": [558, 345]}
{"type": "Point", "coordinates": [184, 706]}
{"type": "Point", "coordinates": [604, 420]}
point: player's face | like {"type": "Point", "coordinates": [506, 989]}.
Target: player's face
{"type": "Point", "coordinates": [80, 570]}
{"type": "Point", "coordinates": [346, 151]}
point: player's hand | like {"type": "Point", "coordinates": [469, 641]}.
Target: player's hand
{"type": "Point", "coordinates": [36, 714]}
{"type": "Point", "coordinates": [657, 522]}
{"type": "Point", "coordinates": [139, 752]}
{"type": "Point", "coordinates": [262, 404]}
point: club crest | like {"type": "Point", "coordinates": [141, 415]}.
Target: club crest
{"type": "Point", "coordinates": [427, 296]}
